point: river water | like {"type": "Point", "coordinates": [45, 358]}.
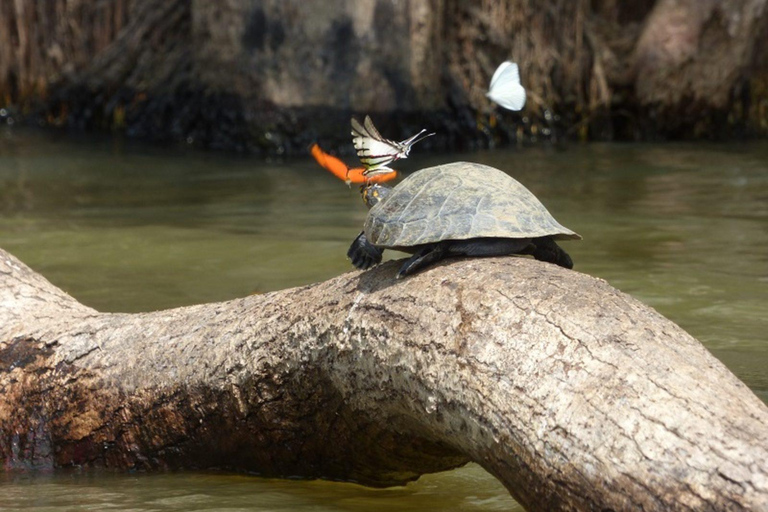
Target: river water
{"type": "Point", "coordinates": [126, 227]}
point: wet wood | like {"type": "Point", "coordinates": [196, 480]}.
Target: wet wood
{"type": "Point", "coordinates": [573, 394]}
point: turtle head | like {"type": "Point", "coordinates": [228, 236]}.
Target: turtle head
{"type": "Point", "coordinates": [373, 193]}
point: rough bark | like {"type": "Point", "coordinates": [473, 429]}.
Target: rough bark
{"type": "Point", "coordinates": [574, 395]}
{"type": "Point", "coordinates": [272, 75]}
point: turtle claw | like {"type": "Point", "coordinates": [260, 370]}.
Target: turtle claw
{"type": "Point", "coordinates": [363, 253]}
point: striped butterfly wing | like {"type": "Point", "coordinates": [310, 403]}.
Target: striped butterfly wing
{"type": "Point", "coordinates": [374, 151]}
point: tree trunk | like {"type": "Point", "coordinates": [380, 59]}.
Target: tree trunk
{"type": "Point", "coordinates": [574, 395]}
{"type": "Point", "coordinates": [275, 75]}
{"type": "Point", "coordinates": [696, 56]}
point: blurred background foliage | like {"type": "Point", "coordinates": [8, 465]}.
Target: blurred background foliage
{"type": "Point", "coordinates": [271, 76]}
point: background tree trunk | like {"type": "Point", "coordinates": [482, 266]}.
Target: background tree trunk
{"type": "Point", "coordinates": [697, 56]}
{"type": "Point", "coordinates": [274, 75]}
{"type": "Point", "coordinates": [571, 393]}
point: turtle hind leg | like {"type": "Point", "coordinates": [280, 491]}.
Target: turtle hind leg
{"type": "Point", "coordinates": [363, 253]}
{"type": "Point", "coordinates": [423, 258]}
{"type": "Point", "coordinates": [547, 250]}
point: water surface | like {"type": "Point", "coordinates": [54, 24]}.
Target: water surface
{"type": "Point", "coordinates": [126, 227]}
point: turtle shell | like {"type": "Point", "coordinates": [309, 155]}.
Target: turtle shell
{"type": "Point", "coordinates": [458, 201]}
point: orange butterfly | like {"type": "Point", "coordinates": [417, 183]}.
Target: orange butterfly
{"type": "Point", "coordinates": [343, 172]}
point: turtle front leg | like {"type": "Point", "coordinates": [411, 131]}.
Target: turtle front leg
{"type": "Point", "coordinates": [363, 253]}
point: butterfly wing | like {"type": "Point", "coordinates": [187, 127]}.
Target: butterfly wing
{"type": "Point", "coordinates": [376, 152]}
{"type": "Point", "coordinates": [373, 150]}
{"type": "Point", "coordinates": [358, 176]}
{"type": "Point", "coordinates": [505, 67]}
{"type": "Point", "coordinates": [351, 176]}
{"type": "Point", "coordinates": [330, 162]}
{"type": "Point", "coordinates": [505, 88]}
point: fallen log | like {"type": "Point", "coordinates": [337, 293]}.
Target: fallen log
{"type": "Point", "coordinates": [573, 394]}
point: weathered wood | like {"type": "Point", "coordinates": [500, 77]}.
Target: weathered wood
{"type": "Point", "coordinates": [573, 394]}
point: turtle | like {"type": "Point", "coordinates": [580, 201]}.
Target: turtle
{"type": "Point", "coordinates": [456, 209]}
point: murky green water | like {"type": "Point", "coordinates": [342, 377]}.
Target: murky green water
{"type": "Point", "coordinates": [130, 228]}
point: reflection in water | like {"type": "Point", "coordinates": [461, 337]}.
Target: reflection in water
{"type": "Point", "coordinates": [129, 228]}
{"type": "Point", "coordinates": [469, 489]}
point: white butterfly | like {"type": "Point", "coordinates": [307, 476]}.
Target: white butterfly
{"type": "Point", "coordinates": [505, 87]}
{"type": "Point", "coordinates": [376, 152]}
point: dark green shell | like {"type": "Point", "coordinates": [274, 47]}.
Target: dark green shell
{"type": "Point", "coordinates": [458, 201]}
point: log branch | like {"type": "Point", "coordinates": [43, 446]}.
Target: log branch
{"type": "Point", "coordinates": [573, 394]}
